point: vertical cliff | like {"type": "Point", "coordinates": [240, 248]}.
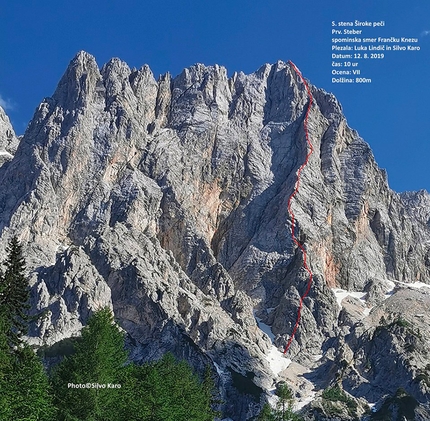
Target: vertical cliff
{"type": "Point", "coordinates": [167, 200]}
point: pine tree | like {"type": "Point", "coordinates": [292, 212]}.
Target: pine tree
{"type": "Point", "coordinates": [28, 391]}
{"type": "Point", "coordinates": [266, 414]}
{"type": "Point", "coordinates": [24, 389]}
{"type": "Point", "coordinates": [14, 294]}
{"type": "Point", "coordinates": [5, 369]}
{"type": "Point", "coordinates": [169, 390]}
{"type": "Point", "coordinates": [98, 360]}
{"type": "Point", "coordinates": [285, 404]}
{"type": "Point", "coordinates": [183, 399]}
{"type": "Point", "coordinates": [211, 393]}
{"type": "Point", "coordinates": [284, 407]}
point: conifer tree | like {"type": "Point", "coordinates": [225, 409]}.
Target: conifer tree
{"type": "Point", "coordinates": [169, 390]}
{"type": "Point", "coordinates": [24, 388]}
{"type": "Point", "coordinates": [284, 407]}
{"type": "Point", "coordinates": [28, 393]}
{"type": "Point", "coordinates": [211, 393]}
{"type": "Point", "coordinates": [183, 396]}
{"type": "Point", "coordinates": [267, 414]}
{"type": "Point", "coordinates": [5, 369]}
{"type": "Point", "coordinates": [285, 404]}
{"type": "Point", "coordinates": [98, 361]}
{"type": "Point", "coordinates": [14, 293]}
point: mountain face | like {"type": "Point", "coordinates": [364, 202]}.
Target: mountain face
{"type": "Point", "coordinates": [8, 140]}
{"type": "Point", "coordinates": [167, 200]}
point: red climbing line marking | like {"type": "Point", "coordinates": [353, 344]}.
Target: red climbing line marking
{"type": "Point", "coordinates": [296, 189]}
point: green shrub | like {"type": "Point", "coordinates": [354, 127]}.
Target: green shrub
{"type": "Point", "coordinates": [400, 322]}
{"type": "Point", "coordinates": [336, 394]}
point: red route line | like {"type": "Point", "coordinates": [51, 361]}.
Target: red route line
{"type": "Point", "coordinates": [296, 189]}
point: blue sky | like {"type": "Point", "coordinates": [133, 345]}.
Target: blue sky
{"type": "Point", "coordinates": [38, 39]}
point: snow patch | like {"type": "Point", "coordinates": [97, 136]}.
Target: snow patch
{"type": "Point", "coordinates": [340, 294]}
{"type": "Point", "coordinates": [419, 285]}
{"type": "Point", "coordinates": [219, 370]}
{"type": "Point", "coordinates": [62, 247]}
{"type": "Point", "coordinates": [272, 399]}
{"type": "Point", "coordinates": [372, 407]}
{"type": "Point", "coordinates": [367, 310]}
{"type": "Point", "coordinates": [265, 328]}
{"type": "Point", "coordinates": [277, 360]}
{"type": "Point", "coordinates": [303, 402]}
{"type": "Point", "coordinates": [414, 285]}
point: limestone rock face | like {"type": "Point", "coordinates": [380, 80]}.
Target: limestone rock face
{"type": "Point", "coordinates": [8, 139]}
{"type": "Point", "coordinates": [166, 200]}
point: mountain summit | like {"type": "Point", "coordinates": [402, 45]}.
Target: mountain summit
{"type": "Point", "coordinates": [166, 200]}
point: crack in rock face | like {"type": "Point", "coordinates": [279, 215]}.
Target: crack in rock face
{"type": "Point", "coordinates": [166, 200]}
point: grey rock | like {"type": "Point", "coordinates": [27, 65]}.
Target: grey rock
{"type": "Point", "coordinates": [8, 140]}
{"type": "Point", "coordinates": [167, 201]}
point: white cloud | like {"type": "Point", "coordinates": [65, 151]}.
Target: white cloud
{"type": "Point", "coordinates": [6, 104]}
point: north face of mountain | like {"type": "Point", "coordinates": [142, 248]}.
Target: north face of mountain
{"type": "Point", "coordinates": [166, 200]}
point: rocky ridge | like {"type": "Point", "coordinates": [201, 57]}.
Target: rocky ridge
{"type": "Point", "coordinates": [8, 140]}
{"type": "Point", "coordinates": [167, 201]}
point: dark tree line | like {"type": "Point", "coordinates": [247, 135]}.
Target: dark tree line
{"type": "Point", "coordinates": [96, 382]}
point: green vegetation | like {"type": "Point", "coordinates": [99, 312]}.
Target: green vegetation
{"type": "Point", "coordinates": [14, 294]}
{"type": "Point", "coordinates": [284, 407]}
{"type": "Point", "coordinates": [331, 409]}
{"type": "Point", "coordinates": [98, 360]}
{"type": "Point", "coordinates": [401, 322]}
{"type": "Point", "coordinates": [168, 390]}
{"type": "Point", "coordinates": [406, 326]}
{"type": "Point", "coordinates": [25, 393]}
{"type": "Point", "coordinates": [266, 413]}
{"type": "Point", "coordinates": [336, 394]}
{"type": "Point", "coordinates": [25, 390]}
{"type": "Point", "coordinates": [165, 390]}
{"type": "Point", "coordinates": [93, 382]}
